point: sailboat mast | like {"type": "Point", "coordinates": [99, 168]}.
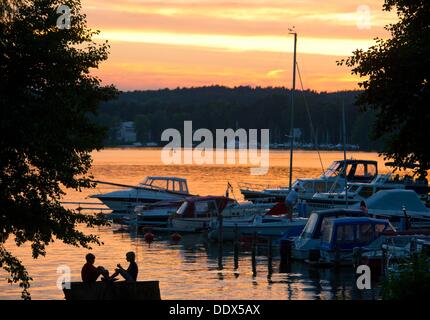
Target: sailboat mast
{"type": "Point", "coordinates": [344, 150]}
{"type": "Point", "coordinates": [292, 108]}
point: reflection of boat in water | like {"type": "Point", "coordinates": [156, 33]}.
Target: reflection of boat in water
{"type": "Point", "coordinates": [106, 290]}
{"type": "Point", "coordinates": [152, 189]}
{"type": "Point", "coordinates": [333, 179]}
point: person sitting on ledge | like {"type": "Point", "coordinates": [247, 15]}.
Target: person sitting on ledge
{"type": "Point", "coordinates": [90, 273]}
{"type": "Point", "coordinates": [131, 273]}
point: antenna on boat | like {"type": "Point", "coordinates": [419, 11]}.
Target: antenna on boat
{"type": "Point", "coordinates": [293, 32]}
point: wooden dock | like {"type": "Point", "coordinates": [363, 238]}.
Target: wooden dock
{"type": "Point", "coordinates": [121, 290]}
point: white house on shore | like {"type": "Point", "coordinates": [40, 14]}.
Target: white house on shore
{"type": "Point", "coordinates": [127, 132]}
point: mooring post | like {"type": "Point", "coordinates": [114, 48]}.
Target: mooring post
{"type": "Point", "coordinates": [357, 252]}
{"type": "Point", "coordinates": [413, 246]}
{"type": "Point", "coordinates": [336, 257]}
{"type": "Point", "coordinates": [254, 249]}
{"type": "Point", "coordinates": [220, 240]}
{"type": "Point", "coordinates": [236, 247]}
{"type": "Point", "coordinates": [384, 261]}
{"type": "Point", "coordinates": [269, 257]}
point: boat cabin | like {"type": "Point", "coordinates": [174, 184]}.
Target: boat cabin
{"type": "Point", "coordinates": [349, 233]}
{"type": "Point", "coordinates": [203, 207]}
{"type": "Point", "coordinates": [318, 219]}
{"type": "Point", "coordinates": [356, 170]}
{"type": "Point", "coordinates": [171, 184]}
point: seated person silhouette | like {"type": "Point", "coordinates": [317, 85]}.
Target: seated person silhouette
{"type": "Point", "coordinates": [131, 273]}
{"type": "Point", "coordinates": [90, 273]}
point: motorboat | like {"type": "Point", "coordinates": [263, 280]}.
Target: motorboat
{"type": "Point", "coordinates": [196, 213]}
{"type": "Point", "coordinates": [333, 179]}
{"type": "Point", "coordinates": [357, 192]}
{"type": "Point", "coordinates": [274, 226]}
{"type": "Point", "coordinates": [389, 250]}
{"type": "Point", "coordinates": [398, 205]}
{"type": "Point", "coordinates": [158, 214]}
{"type": "Point", "coordinates": [341, 236]}
{"type": "Point", "coordinates": [307, 244]}
{"type": "Point", "coordinates": [152, 189]}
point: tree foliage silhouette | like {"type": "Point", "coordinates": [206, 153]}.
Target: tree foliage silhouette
{"type": "Point", "coordinates": [46, 96]}
{"type": "Point", "coordinates": [396, 83]}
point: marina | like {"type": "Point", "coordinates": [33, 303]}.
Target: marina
{"type": "Point", "coordinates": [191, 265]}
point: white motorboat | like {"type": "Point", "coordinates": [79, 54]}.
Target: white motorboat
{"type": "Point", "coordinates": [152, 189]}
{"type": "Point", "coordinates": [196, 213]}
{"type": "Point", "coordinates": [160, 212]}
{"type": "Point", "coordinates": [357, 192]}
{"type": "Point", "coordinates": [263, 225]}
{"type": "Point", "coordinates": [331, 180]}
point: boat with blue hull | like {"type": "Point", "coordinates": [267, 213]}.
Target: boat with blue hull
{"type": "Point", "coordinates": [341, 236]}
{"type": "Point", "coordinates": [307, 244]}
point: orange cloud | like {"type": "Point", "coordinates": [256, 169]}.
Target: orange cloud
{"type": "Point", "coordinates": [231, 42]}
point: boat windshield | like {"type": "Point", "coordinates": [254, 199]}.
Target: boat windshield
{"type": "Point", "coordinates": [345, 234]}
{"type": "Point", "coordinates": [326, 230]}
{"type": "Point", "coordinates": [310, 226]}
{"type": "Point", "coordinates": [353, 188]}
{"type": "Point", "coordinates": [181, 210]}
{"type": "Point", "coordinates": [165, 184]}
{"type": "Point", "coordinates": [335, 169]}
{"type": "Point", "coordinates": [156, 183]}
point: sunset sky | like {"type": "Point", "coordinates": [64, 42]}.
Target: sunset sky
{"type": "Point", "coordinates": [183, 43]}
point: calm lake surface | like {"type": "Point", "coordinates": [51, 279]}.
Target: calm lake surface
{"type": "Point", "coordinates": [189, 269]}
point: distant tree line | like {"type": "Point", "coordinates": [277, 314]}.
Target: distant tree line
{"type": "Point", "coordinates": [218, 107]}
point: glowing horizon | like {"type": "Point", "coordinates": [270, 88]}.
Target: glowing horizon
{"type": "Point", "coordinates": [185, 43]}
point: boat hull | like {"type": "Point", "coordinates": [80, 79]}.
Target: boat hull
{"type": "Point", "coordinates": [127, 200]}
{"type": "Point", "coordinates": [276, 230]}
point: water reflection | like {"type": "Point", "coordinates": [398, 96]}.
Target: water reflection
{"type": "Point", "coordinates": [190, 268]}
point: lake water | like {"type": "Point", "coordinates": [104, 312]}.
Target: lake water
{"type": "Point", "coordinates": [189, 269]}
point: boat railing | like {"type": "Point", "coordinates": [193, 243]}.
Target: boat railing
{"type": "Point", "coordinates": [86, 206]}
{"type": "Point", "coordinates": [255, 186]}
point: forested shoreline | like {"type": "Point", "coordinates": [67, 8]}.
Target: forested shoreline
{"type": "Point", "coordinates": [318, 115]}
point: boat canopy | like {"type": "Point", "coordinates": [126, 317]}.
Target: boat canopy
{"type": "Point", "coordinates": [356, 170]}
{"type": "Point", "coordinates": [200, 207]}
{"type": "Point", "coordinates": [393, 201]}
{"type": "Point", "coordinates": [317, 219]}
{"type": "Point", "coordinates": [348, 233]}
{"type": "Point", "coordinates": [166, 183]}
